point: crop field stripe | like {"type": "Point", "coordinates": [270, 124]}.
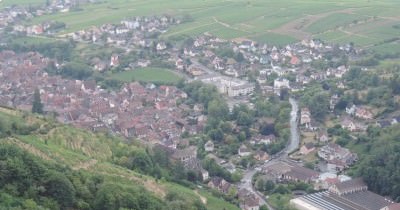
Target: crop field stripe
{"type": "Point", "coordinates": [247, 19]}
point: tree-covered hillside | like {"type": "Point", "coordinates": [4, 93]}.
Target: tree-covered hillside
{"type": "Point", "coordinates": [46, 165]}
{"type": "Point", "coordinates": [380, 160]}
{"type": "Point", "coordinates": [30, 183]}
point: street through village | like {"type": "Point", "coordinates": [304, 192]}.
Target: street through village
{"type": "Point", "coordinates": [246, 182]}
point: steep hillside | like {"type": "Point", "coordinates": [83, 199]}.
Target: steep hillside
{"type": "Point", "coordinates": [93, 155]}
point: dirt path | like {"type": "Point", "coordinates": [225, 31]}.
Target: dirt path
{"type": "Point", "coordinates": [352, 34]}
{"type": "Point", "coordinates": [228, 26]}
{"type": "Point", "coordinates": [202, 198]}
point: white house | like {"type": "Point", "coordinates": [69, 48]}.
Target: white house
{"type": "Point", "coordinates": [244, 151]}
{"type": "Point", "coordinates": [209, 146]}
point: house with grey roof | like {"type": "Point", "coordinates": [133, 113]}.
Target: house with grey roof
{"type": "Point", "coordinates": [348, 195]}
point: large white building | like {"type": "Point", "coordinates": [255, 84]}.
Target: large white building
{"type": "Point", "coordinates": [279, 84]}
{"type": "Point", "coordinates": [230, 86]}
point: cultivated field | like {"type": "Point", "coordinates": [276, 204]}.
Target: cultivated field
{"type": "Point", "coordinates": [364, 22]}
{"type": "Point", "coordinates": [6, 3]}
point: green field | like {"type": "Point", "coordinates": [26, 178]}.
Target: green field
{"type": "Point", "coordinates": [6, 3]}
{"type": "Point", "coordinates": [275, 39]}
{"type": "Point", "coordinates": [387, 48]}
{"type": "Point", "coordinates": [333, 21]}
{"type": "Point", "coordinates": [254, 19]}
{"type": "Point", "coordinates": [147, 75]}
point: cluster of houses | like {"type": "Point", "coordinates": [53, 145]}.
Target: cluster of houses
{"type": "Point", "coordinates": [229, 71]}
{"type": "Point", "coordinates": [337, 157]}
{"type": "Point", "coordinates": [263, 60]}
{"type": "Point", "coordinates": [286, 171]}
{"type": "Point", "coordinates": [135, 111]}
{"type": "Point", "coordinates": [290, 172]}
{"type": "Point", "coordinates": [152, 114]}
{"type": "Point", "coordinates": [135, 32]}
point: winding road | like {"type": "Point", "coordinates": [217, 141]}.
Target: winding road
{"type": "Point", "coordinates": [294, 129]}
{"type": "Point", "coordinates": [292, 146]}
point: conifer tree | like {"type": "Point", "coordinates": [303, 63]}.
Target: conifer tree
{"type": "Point", "coordinates": [37, 106]}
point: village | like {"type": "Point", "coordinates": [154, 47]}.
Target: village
{"type": "Point", "coordinates": [158, 114]}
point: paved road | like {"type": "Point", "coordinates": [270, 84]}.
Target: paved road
{"type": "Point", "coordinates": [294, 130]}
{"type": "Point", "coordinates": [246, 184]}
{"type": "Point", "coordinates": [282, 156]}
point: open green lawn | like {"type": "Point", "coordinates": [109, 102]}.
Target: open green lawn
{"type": "Point", "coordinates": [246, 19]}
{"type": "Point", "coordinates": [147, 75]}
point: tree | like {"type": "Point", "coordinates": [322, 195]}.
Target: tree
{"type": "Point", "coordinates": [37, 106]}
{"type": "Point", "coordinates": [216, 134]}
{"type": "Point", "coordinates": [76, 70]}
{"type": "Point", "coordinates": [319, 105]}
{"type": "Point", "coordinates": [218, 109]}
{"type": "Point", "coordinates": [244, 119]}
{"type": "Point", "coordinates": [269, 186]}
{"type": "Point", "coordinates": [59, 187]}
{"type": "Point", "coordinates": [141, 161]}
{"type": "Point", "coordinates": [260, 184]}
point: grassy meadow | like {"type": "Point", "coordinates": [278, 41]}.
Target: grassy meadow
{"type": "Point", "coordinates": [147, 75]}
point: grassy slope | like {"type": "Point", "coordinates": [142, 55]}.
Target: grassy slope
{"type": "Point", "coordinates": [82, 150]}
{"type": "Point", "coordinates": [242, 18]}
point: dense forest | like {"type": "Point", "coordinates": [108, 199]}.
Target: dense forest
{"type": "Point", "coordinates": [380, 160]}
